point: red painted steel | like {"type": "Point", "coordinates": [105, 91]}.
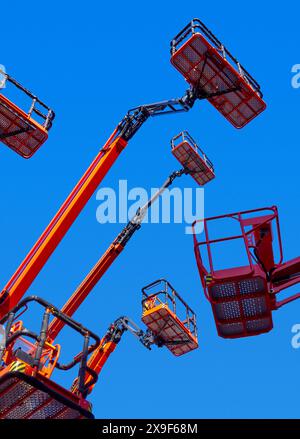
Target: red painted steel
{"type": "Point", "coordinates": [244, 297]}
{"type": "Point", "coordinates": [206, 69]}
{"type": "Point", "coordinates": [44, 247]}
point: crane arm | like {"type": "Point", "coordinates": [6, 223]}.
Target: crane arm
{"type": "Point", "coordinates": [82, 192]}
{"type": "Point", "coordinates": [108, 345]}
{"type": "Point", "coordinates": [107, 259]}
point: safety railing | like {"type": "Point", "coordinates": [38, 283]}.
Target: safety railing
{"type": "Point", "coordinates": [245, 235]}
{"type": "Point", "coordinates": [196, 26]}
{"type": "Point", "coordinates": [184, 136]}
{"type": "Point", "coordinates": [162, 292]}
{"type": "Point", "coordinates": [40, 339]}
{"type": "Point", "coordinates": [45, 112]}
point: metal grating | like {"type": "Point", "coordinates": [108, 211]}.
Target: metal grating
{"type": "Point", "coordinates": [254, 307]}
{"type": "Point", "coordinates": [230, 329]}
{"type": "Point", "coordinates": [260, 325]}
{"type": "Point", "coordinates": [24, 135]}
{"type": "Point", "coordinates": [205, 68]}
{"type": "Point", "coordinates": [228, 310]}
{"type": "Point", "coordinates": [191, 160]}
{"type": "Point", "coordinates": [168, 327]}
{"type": "Point", "coordinates": [227, 289]}
{"type": "Point", "coordinates": [23, 397]}
{"type": "Point", "coordinates": [241, 308]}
{"type": "Point", "coordinates": [252, 285]}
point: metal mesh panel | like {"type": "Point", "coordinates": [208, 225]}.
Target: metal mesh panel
{"type": "Point", "coordinates": [24, 143]}
{"type": "Point", "coordinates": [260, 325]}
{"type": "Point", "coordinates": [14, 394]}
{"type": "Point", "coordinates": [230, 329]}
{"type": "Point", "coordinates": [235, 303]}
{"type": "Point", "coordinates": [206, 69]}
{"type": "Point", "coordinates": [28, 405]}
{"type": "Point", "coordinates": [254, 307]}
{"type": "Point", "coordinates": [20, 399]}
{"type": "Point", "coordinates": [191, 160]}
{"type": "Point", "coordinates": [228, 310]}
{"type": "Point", "coordinates": [164, 325]}
{"type": "Point", "coordinates": [251, 285]}
{"type": "Point", "coordinates": [227, 289]}
{"type": "Point", "coordinates": [68, 414]}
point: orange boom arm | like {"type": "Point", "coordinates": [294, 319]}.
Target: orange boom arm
{"type": "Point", "coordinates": [40, 253]}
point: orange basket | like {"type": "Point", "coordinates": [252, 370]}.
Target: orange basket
{"type": "Point", "coordinates": [162, 306]}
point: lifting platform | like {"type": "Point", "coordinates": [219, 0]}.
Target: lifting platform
{"type": "Point", "coordinates": [35, 260]}
{"type": "Point", "coordinates": [162, 307]}
{"type": "Point", "coordinates": [202, 174]}
{"type": "Point", "coordinates": [210, 68]}
{"type": "Point", "coordinates": [192, 158]}
{"type": "Point", "coordinates": [20, 130]}
{"type": "Point", "coordinates": [243, 297]}
{"type": "Point", "coordinates": [25, 385]}
{"type": "Point", "coordinates": [28, 360]}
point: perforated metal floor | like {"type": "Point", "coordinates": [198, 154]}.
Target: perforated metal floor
{"type": "Point", "coordinates": [23, 397]}
{"type": "Point", "coordinates": [24, 136]}
{"type": "Point", "coordinates": [189, 158]}
{"type": "Point", "coordinates": [168, 327]}
{"type": "Point", "coordinates": [241, 308]}
{"type": "Point", "coordinates": [205, 68]}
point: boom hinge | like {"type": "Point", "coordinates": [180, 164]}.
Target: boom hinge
{"type": "Point", "coordinates": [123, 324]}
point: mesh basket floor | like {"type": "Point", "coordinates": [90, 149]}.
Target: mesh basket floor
{"type": "Point", "coordinates": [191, 160]}
{"type": "Point", "coordinates": [165, 325]}
{"type": "Point", "coordinates": [24, 136]}
{"type": "Point", "coordinates": [23, 397]}
{"type": "Point", "coordinates": [241, 308]}
{"type": "Point", "coordinates": [205, 68]}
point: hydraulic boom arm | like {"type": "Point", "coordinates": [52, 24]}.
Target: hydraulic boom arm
{"type": "Point", "coordinates": [107, 346]}
{"type": "Point", "coordinates": [82, 192]}
{"type": "Point", "coordinates": [107, 259]}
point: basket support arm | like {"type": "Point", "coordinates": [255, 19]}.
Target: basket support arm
{"type": "Point", "coordinates": [107, 259]}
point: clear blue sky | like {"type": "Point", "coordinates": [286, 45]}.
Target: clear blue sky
{"type": "Point", "coordinates": [92, 61]}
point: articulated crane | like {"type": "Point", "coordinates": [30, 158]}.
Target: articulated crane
{"type": "Point", "coordinates": [212, 73]}
{"type": "Point", "coordinates": [26, 390]}
{"type": "Point", "coordinates": [26, 365]}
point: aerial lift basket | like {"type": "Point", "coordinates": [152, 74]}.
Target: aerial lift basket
{"type": "Point", "coordinates": [243, 297]}
{"type": "Point", "coordinates": [26, 397]}
{"type": "Point", "coordinates": [192, 158]}
{"type": "Point", "coordinates": [26, 390]}
{"type": "Point", "coordinates": [162, 306]}
{"type": "Point", "coordinates": [209, 67]}
{"type": "Point", "coordinates": [20, 130]}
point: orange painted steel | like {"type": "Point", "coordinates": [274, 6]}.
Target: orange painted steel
{"type": "Point", "coordinates": [49, 240]}
{"type": "Point", "coordinates": [85, 288]}
{"type": "Point", "coordinates": [25, 396]}
{"type": "Point", "coordinates": [166, 325]}
{"type": "Point", "coordinates": [96, 363]}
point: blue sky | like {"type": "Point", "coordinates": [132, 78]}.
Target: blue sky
{"type": "Point", "coordinates": [92, 62]}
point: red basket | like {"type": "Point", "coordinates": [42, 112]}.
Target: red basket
{"type": "Point", "coordinates": [192, 158]}
{"type": "Point", "coordinates": [210, 68]}
{"type": "Point", "coordinates": [243, 298]}
{"type": "Point", "coordinates": [18, 131]}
